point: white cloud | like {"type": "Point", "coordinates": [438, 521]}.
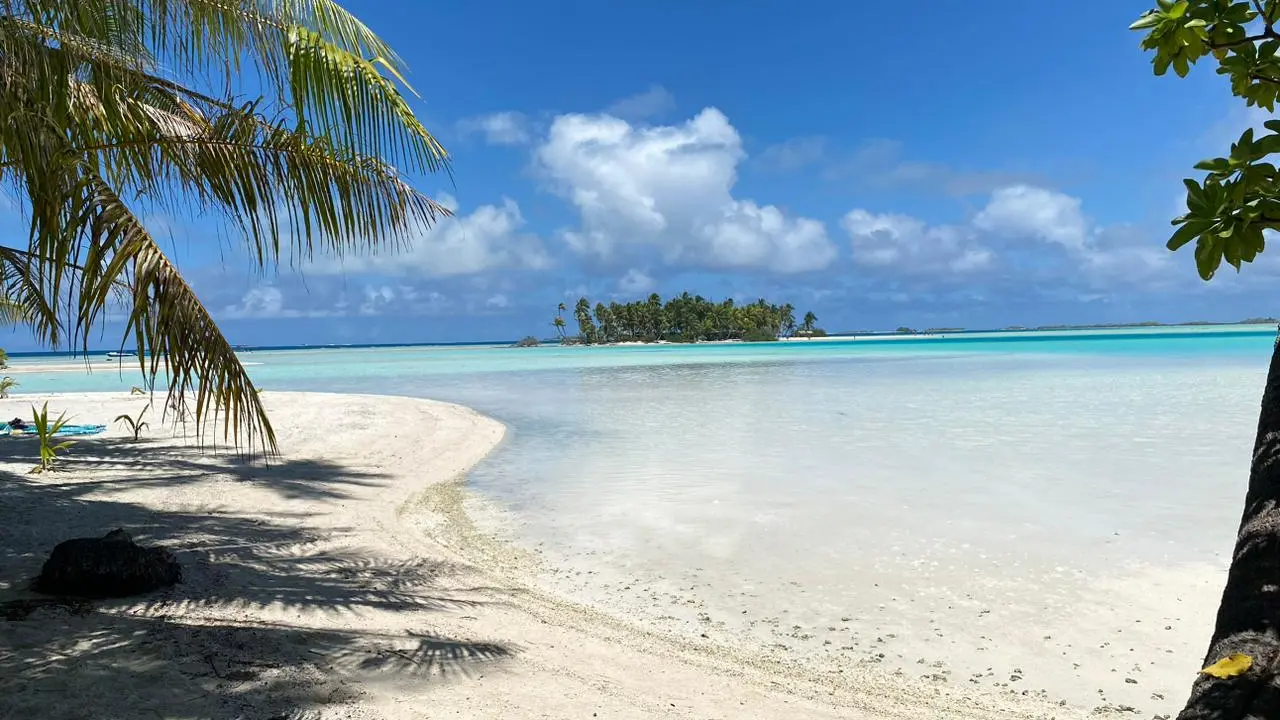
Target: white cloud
{"type": "Point", "coordinates": [636, 282]}
{"type": "Point", "coordinates": [912, 245]}
{"type": "Point", "coordinates": [267, 301]}
{"type": "Point", "coordinates": [498, 301]}
{"type": "Point", "coordinates": [500, 128]}
{"type": "Point", "coordinates": [489, 238]}
{"type": "Point", "coordinates": [669, 189]}
{"type": "Point", "coordinates": [400, 300]}
{"type": "Point", "coordinates": [375, 299]}
{"type": "Point", "coordinates": [1124, 254]}
{"type": "Point", "coordinates": [1025, 211]}
{"type": "Point", "coordinates": [1016, 221]}
{"type": "Point", "coordinates": [652, 103]}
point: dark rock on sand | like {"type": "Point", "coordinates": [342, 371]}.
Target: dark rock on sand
{"type": "Point", "coordinates": [110, 566]}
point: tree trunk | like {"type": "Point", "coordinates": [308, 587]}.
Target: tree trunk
{"type": "Point", "coordinates": [1249, 616]}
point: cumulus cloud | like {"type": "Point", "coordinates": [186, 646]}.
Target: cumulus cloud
{"type": "Point", "coordinates": [1125, 254]}
{"type": "Point", "coordinates": [498, 301]}
{"type": "Point", "coordinates": [271, 302]}
{"type": "Point", "coordinates": [500, 128]}
{"type": "Point", "coordinates": [911, 245]}
{"type": "Point", "coordinates": [1025, 211]}
{"type": "Point", "coordinates": [268, 301]}
{"type": "Point", "coordinates": [652, 103]}
{"type": "Point", "coordinates": [1046, 230]}
{"type": "Point", "coordinates": [400, 300]}
{"type": "Point", "coordinates": [669, 189]}
{"type": "Point", "coordinates": [488, 238]}
{"type": "Point", "coordinates": [636, 282]}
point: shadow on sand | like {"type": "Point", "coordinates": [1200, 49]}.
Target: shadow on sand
{"type": "Point", "coordinates": [205, 640]}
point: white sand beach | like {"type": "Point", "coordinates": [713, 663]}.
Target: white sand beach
{"type": "Point", "coordinates": [344, 580]}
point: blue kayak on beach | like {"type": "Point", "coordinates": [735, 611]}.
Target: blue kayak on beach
{"type": "Point", "coordinates": [65, 431]}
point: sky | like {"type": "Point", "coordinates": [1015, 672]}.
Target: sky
{"type": "Point", "coordinates": [976, 164]}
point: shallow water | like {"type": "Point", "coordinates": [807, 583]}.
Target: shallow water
{"type": "Point", "coordinates": [1052, 500]}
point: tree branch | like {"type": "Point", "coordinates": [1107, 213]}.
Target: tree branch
{"type": "Point", "coordinates": [1266, 34]}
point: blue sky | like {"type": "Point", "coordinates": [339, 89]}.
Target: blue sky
{"type": "Point", "coordinates": [972, 164]}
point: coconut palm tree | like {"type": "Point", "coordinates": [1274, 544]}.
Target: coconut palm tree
{"type": "Point", "coordinates": [586, 327]}
{"type": "Point", "coordinates": [787, 320]}
{"type": "Point", "coordinates": [559, 321]}
{"type": "Point", "coordinates": [121, 109]}
{"type": "Point", "coordinates": [810, 320]}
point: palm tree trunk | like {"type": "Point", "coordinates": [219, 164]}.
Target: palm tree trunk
{"type": "Point", "coordinates": [1249, 616]}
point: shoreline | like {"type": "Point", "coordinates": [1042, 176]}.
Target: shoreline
{"type": "Point", "coordinates": [353, 569]}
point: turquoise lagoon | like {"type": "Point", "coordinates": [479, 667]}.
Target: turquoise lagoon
{"type": "Point", "coordinates": [1063, 502]}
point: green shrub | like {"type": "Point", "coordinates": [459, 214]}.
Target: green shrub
{"type": "Point", "coordinates": [759, 335]}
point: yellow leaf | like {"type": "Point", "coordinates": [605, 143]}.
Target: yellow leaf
{"type": "Point", "coordinates": [1229, 666]}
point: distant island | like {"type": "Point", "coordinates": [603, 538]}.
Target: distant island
{"type": "Point", "coordinates": [683, 319]}
{"type": "Point", "coordinates": [692, 318]}
{"type": "Point", "coordinates": [1095, 326]}
{"type": "Point", "coordinates": [1151, 323]}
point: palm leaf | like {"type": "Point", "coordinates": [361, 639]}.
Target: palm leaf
{"type": "Point", "coordinates": [182, 340]}
{"type": "Point", "coordinates": [116, 107]}
{"type": "Point", "coordinates": [273, 181]}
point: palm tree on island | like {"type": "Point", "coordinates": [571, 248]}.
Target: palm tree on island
{"type": "Point", "coordinates": [682, 319]}
{"type": "Point", "coordinates": [809, 324]}
{"type": "Point", "coordinates": [559, 321]}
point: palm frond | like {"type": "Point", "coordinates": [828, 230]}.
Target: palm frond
{"type": "Point", "coordinates": [285, 189]}
{"type": "Point", "coordinates": [20, 287]}
{"type": "Point", "coordinates": [113, 105]}
{"type": "Point", "coordinates": [336, 90]}
{"type": "Point", "coordinates": [181, 338]}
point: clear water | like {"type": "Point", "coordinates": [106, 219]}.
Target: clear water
{"type": "Point", "coordinates": [812, 497]}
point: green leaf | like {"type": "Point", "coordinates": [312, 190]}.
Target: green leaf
{"type": "Point", "coordinates": [1186, 234]}
{"type": "Point", "coordinates": [1178, 10]}
{"type": "Point", "coordinates": [1196, 201]}
{"type": "Point", "coordinates": [1231, 252]}
{"type": "Point", "coordinates": [1149, 19]}
{"type": "Point", "coordinates": [1208, 258]}
{"type": "Point", "coordinates": [1217, 165]}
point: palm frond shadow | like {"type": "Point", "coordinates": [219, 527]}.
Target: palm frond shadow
{"type": "Point", "coordinates": [197, 638]}
{"type": "Point", "coordinates": [291, 478]}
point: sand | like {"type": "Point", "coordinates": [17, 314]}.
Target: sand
{"type": "Point", "coordinates": [346, 581]}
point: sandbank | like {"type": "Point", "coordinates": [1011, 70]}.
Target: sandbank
{"type": "Point", "coordinates": [345, 580]}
